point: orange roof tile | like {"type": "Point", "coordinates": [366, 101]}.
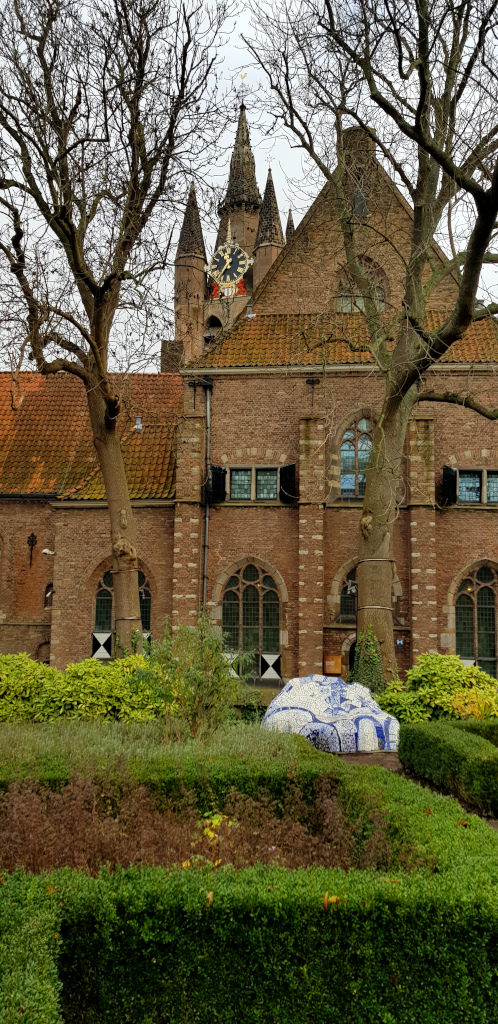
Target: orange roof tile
{"type": "Point", "coordinates": [46, 443]}
{"type": "Point", "coordinates": [305, 339]}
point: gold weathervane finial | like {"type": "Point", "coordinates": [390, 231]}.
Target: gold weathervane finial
{"type": "Point", "coordinates": [243, 88]}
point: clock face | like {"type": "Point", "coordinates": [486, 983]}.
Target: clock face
{"type": "Point", "coordinates": [228, 264]}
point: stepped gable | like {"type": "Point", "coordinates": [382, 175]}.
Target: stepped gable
{"type": "Point", "coordinates": [269, 228]}
{"type": "Point", "coordinates": [191, 241]}
{"type": "Point", "coordinates": [314, 339]}
{"type": "Point", "coordinates": [46, 445]}
{"type": "Point", "coordinates": [242, 188]}
{"type": "Point", "coordinates": [289, 231]}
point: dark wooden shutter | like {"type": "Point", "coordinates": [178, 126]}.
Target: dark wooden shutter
{"type": "Point", "coordinates": [216, 490]}
{"type": "Point", "coordinates": [449, 492]}
{"type": "Point", "coordinates": [288, 491]}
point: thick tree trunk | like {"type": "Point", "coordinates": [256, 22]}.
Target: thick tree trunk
{"type": "Point", "coordinates": [127, 618]}
{"type": "Point", "coordinates": [375, 545]}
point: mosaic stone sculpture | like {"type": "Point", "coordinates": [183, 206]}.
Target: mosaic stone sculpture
{"type": "Point", "coordinates": [334, 716]}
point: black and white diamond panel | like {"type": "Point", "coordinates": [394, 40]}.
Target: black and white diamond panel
{"type": "Point", "coordinates": [270, 666]}
{"type": "Point", "coordinates": [102, 646]}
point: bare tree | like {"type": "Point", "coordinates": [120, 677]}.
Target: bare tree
{"type": "Point", "coordinates": [105, 109]}
{"type": "Point", "coordinates": [419, 77]}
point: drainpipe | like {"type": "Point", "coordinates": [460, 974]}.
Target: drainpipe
{"type": "Point", "coordinates": [208, 387]}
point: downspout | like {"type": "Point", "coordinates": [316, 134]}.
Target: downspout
{"type": "Point", "coordinates": [208, 387]}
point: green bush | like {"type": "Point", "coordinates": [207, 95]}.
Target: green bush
{"type": "Point", "coordinates": [367, 668]}
{"type": "Point", "coordinates": [456, 760]}
{"type": "Point", "coordinates": [487, 728]}
{"type": "Point", "coordinates": [88, 689]}
{"type": "Point", "coordinates": [22, 680]}
{"type": "Point", "coordinates": [433, 685]}
{"type": "Point", "coordinates": [189, 672]}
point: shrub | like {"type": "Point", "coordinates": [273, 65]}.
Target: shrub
{"type": "Point", "coordinates": [190, 672]}
{"type": "Point", "coordinates": [22, 680]}
{"type": "Point", "coordinates": [435, 685]}
{"type": "Point", "coordinates": [455, 760]}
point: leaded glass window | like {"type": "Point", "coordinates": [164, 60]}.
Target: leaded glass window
{"type": "Point", "coordinates": [240, 484]}
{"type": "Point", "coordinates": [492, 488]}
{"type": "Point", "coordinates": [475, 619]}
{"type": "Point", "coordinates": [266, 484]}
{"type": "Point", "coordinates": [104, 599]}
{"type": "Point", "coordinates": [251, 616]}
{"type": "Point", "coordinates": [356, 449]}
{"type": "Point", "coordinates": [348, 603]}
{"type": "Point", "coordinates": [469, 486]}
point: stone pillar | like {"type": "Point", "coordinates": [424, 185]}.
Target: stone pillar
{"type": "Point", "coordinates": [422, 533]}
{"type": "Point", "coordinates": [189, 522]}
{"type": "Point", "coordinates": [311, 554]}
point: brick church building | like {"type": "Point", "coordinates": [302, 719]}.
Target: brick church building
{"type": "Point", "coordinates": [246, 456]}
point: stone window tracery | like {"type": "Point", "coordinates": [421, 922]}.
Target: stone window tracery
{"type": "Point", "coordinates": [475, 618]}
{"type": "Point", "coordinates": [356, 449]}
{"type": "Point", "coordinates": [251, 620]}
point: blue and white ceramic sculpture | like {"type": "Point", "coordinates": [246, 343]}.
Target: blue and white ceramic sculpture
{"type": "Point", "coordinates": [334, 716]}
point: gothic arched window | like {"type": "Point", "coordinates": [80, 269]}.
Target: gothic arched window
{"type": "Point", "coordinates": [350, 299]}
{"type": "Point", "coordinates": [356, 448]}
{"type": "Point", "coordinates": [348, 600]}
{"type": "Point", "coordinates": [251, 620]}
{"type": "Point", "coordinates": [475, 618]}
{"type": "Point", "coordinates": [104, 598]}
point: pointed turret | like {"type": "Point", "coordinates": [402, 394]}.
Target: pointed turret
{"type": "Point", "coordinates": [190, 287]}
{"type": "Point", "coordinates": [191, 241]}
{"type": "Point", "coordinates": [242, 201]}
{"type": "Point", "coordinates": [269, 238]}
{"type": "Point", "coordinates": [289, 231]}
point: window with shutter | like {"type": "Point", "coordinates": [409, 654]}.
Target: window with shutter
{"type": "Point", "coordinates": [288, 489]}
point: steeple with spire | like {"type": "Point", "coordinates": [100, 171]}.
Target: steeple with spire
{"type": "Point", "coordinates": [242, 201]}
{"type": "Point", "coordinates": [190, 289]}
{"type": "Point", "coordinates": [269, 237]}
{"type": "Point", "coordinates": [289, 231]}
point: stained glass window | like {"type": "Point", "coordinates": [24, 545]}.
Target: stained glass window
{"type": "Point", "coordinates": [356, 449]}
{"type": "Point", "coordinates": [475, 619]}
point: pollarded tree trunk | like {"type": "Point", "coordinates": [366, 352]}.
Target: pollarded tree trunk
{"type": "Point", "coordinates": [375, 545]}
{"type": "Point", "coordinates": [127, 617]}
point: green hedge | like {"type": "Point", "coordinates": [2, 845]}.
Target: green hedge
{"type": "Point", "coordinates": [485, 727]}
{"type": "Point", "coordinates": [29, 946]}
{"type": "Point", "coordinates": [454, 759]}
{"type": "Point", "coordinates": [266, 945]}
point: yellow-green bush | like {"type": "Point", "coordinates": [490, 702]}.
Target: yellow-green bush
{"type": "Point", "coordinates": [88, 689]}
{"type": "Point", "coordinates": [434, 685]}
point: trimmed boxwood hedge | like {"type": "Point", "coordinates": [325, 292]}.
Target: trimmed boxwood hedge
{"type": "Point", "coordinates": [267, 945]}
{"type": "Point", "coordinates": [456, 760]}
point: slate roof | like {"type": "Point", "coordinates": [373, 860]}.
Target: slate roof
{"type": "Point", "coordinates": [46, 445]}
{"type": "Point", "coordinates": [282, 339]}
